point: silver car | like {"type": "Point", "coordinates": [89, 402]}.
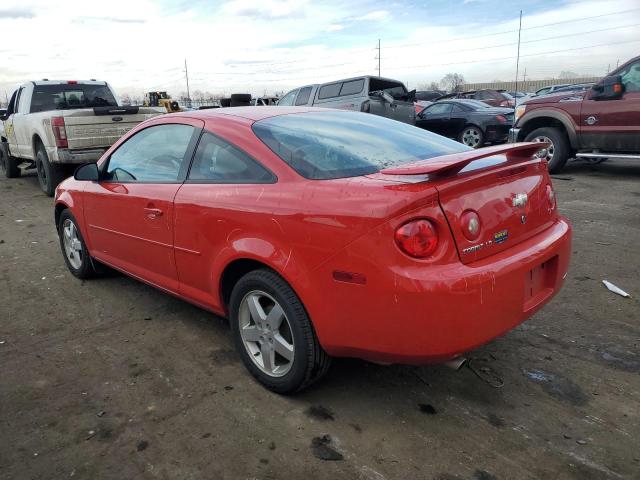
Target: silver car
{"type": "Point", "coordinates": [381, 96]}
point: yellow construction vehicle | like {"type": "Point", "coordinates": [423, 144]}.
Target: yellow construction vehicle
{"type": "Point", "coordinates": [161, 99]}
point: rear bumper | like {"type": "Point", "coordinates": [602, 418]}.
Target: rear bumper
{"type": "Point", "coordinates": [79, 156]}
{"type": "Point", "coordinates": [430, 314]}
{"type": "Point", "coordinates": [497, 133]}
{"type": "Point", "coordinates": [513, 135]}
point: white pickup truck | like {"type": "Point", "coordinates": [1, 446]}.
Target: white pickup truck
{"type": "Point", "coordinates": [51, 125]}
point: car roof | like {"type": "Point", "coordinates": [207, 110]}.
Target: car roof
{"type": "Point", "coordinates": [253, 113]}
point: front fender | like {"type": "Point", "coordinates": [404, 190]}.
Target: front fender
{"type": "Point", "coordinates": [556, 114]}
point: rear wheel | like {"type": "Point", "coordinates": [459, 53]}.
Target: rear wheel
{"type": "Point", "coordinates": [49, 176]}
{"type": "Point", "coordinates": [472, 136]}
{"type": "Point", "coordinates": [558, 150]}
{"type": "Point", "coordinates": [273, 333]}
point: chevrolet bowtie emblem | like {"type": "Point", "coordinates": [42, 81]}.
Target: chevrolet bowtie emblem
{"type": "Point", "coordinates": [520, 199]}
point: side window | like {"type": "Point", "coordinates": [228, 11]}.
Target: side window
{"type": "Point", "coordinates": [438, 109]}
{"type": "Point", "coordinates": [155, 154]}
{"type": "Point", "coordinates": [287, 100]}
{"type": "Point", "coordinates": [482, 96]}
{"type": "Point", "coordinates": [631, 77]}
{"type": "Point", "coordinates": [303, 96]}
{"type": "Point", "coordinates": [217, 161]}
{"type": "Point", "coordinates": [17, 106]}
{"type": "Point", "coordinates": [351, 88]}
{"type": "Point", "coordinates": [457, 109]}
{"type": "Point", "coordinates": [328, 91]}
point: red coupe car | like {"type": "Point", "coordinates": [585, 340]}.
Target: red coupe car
{"type": "Point", "coordinates": [322, 233]}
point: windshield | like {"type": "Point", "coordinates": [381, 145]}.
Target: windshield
{"type": "Point", "coordinates": [327, 145]}
{"type": "Point", "coordinates": [71, 96]}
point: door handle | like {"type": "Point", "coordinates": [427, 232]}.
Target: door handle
{"type": "Point", "coordinates": [153, 212]}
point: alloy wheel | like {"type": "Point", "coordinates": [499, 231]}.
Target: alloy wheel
{"type": "Point", "coordinates": [543, 139]}
{"type": "Point", "coordinates": [266, 333]}
{"type": "Point", "coordinates": [471, 137]}
{"type": "Point", "coordinates": [72, 244]}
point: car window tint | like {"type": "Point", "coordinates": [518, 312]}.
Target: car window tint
{"type": "Point", "coordinates": [303, 96]}
{"type": "Point", "coordinates": [217, 161]}
{"type": "Point", "coordinates": [329, 91]}
{"type": "Point", "coordinates": [438, 109]}
{"type": "Point", "coordinates": [154, 154]}
{"type": "Point", "coordinates": [327, 145]}
{"type": "Point", "coordinates": [458, 109]}
{"type": "Point", "coordinates": [353, 87]}
{"type": "Point", "coordinates": [287, 100]}
{"type": "Point", "coordinates": [631, 77]}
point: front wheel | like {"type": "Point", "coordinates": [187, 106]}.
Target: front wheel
{"type": "Point", "coordinates": [558, 150]}
{"type": "Point", "coordinates": [74, 249]}
{"type": "Point", "coordinates": [273, 333]}
{"type": "Point", "coordinates": [9, 163]}
{"type": "Point", "coordinates": [472, 136]}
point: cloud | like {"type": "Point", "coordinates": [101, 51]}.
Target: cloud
{"type": "Point", "coordinates": [376, 15]}
{"type": "Point", "coordinates": [264, 9]}
{"type": "Point", "coordinates": [108, 19]}
{"type": "Point", "coordinates": [16, 13]}
{"type": "Point", "coordinates": [335, 27]}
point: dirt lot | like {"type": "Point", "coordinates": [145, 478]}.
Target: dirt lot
{"type": "Point", "coordinates": [112, 379]}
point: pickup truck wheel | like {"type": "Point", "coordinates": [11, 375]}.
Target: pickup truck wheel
{"type": "Point", "coordinates": [273, 333]}
{"type": "Point", "coordinates": [558, 151]}
{"type": "Point", "coordinates": [9, 163]}
{"type": "Point", "coordinates": [74, 250]}
{"type": "Point", "coordinates": [49, 176]}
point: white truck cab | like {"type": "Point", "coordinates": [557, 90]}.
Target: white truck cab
{"type": "Point", "coordinates": [51, 124]}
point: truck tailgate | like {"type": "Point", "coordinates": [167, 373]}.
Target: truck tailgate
{"type": "Point", "coordinates": [86, 130]}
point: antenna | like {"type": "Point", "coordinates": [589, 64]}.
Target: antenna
{"type": "Point", "coordinates": [518, 57]}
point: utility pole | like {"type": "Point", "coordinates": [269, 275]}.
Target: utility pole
{"type": "Point", "coordinates": [186, 75]}
{"type": "Point", "coordinates": [378, 57]}
{"type": "Point", "coordinates": [518, 57]}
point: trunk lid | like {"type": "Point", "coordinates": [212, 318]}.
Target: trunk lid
{"type": "Point", "coordinates": [506, 186]}
{"type": "Point", "coordinates": [102, 126]}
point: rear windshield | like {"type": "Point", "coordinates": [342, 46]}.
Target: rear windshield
{"type": "Point", "coordinates": [68, 97]}
{"type": "Point", "coordinates": [327, 145]}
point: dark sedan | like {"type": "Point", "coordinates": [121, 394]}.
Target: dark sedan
{"type": "Point", "coordinates": [471, 122]}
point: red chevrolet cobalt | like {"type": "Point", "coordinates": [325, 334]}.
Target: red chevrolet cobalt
{"type": "Point", "coordinates": [323, 233]}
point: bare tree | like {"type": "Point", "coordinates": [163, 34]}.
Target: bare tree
{"type": "Point", "coordinates": [428, 86]}
{"type": "Point", "coordinates": [452, 82]}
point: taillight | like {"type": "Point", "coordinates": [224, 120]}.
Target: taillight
{"type": "Point", "coordinates": [470, 224]}
{"type": "Point", "coordinates": [417, 238]}
{"type": "Point", "coordinates": [501, 118]}
{"type": "Point", "coordinates": [59, 132]}
{"type": "Point", "coordinates": [551, 197]}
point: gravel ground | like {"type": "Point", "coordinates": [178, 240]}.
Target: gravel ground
{"type": "Point", "coordinates": [112, 379]}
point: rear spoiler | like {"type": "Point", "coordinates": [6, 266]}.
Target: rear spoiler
{"type": "Point", "coordinates": [115, 110]}
{"type": "Point", "coordinates": [457, 161]}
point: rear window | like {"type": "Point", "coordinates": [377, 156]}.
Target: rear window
{"type": "Point", "coordinates": [68, 97]}
{"type": "Point", "coordinates": [351, 88]}
{"type": "Point", "coordinates": [327, 145]}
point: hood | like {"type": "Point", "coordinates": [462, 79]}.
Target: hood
{"type": "Point", "coordinates": [554, 98]}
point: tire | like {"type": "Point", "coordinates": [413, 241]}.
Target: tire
{"type": "Point", "coordinates": [9, 163]}
{"type": "Point", "coordinates": [295, 336]}
{"type": "Point", "coordinates": [49, 176]}
{"type": "Point", "coordinates": [75, 254]}
{"type": "Point", "coordinates": [558, 152]}
{"type": "Point", "coordinates": [471, 136]}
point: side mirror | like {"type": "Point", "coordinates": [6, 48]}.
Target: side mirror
{"type": "Point", "coordinates": [88, 172]}
{"type": "Point", "coordinates": [609, 88]}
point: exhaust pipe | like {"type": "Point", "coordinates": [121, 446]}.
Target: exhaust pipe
{"type": "Point", "coordinates": [455, 363]}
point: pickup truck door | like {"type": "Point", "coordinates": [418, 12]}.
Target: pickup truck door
{"type": "Point", "coordinates": [20, 124]}
{"type": "Point", "coordinates": [129, 214]}
{"type": "Point", "coordinates": [9, 128]}
{"type": "Point", "coordinates": [613, 125]}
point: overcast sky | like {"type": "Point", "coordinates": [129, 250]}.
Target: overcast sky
{"type": "Point", "coordinates": [263, 46]}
